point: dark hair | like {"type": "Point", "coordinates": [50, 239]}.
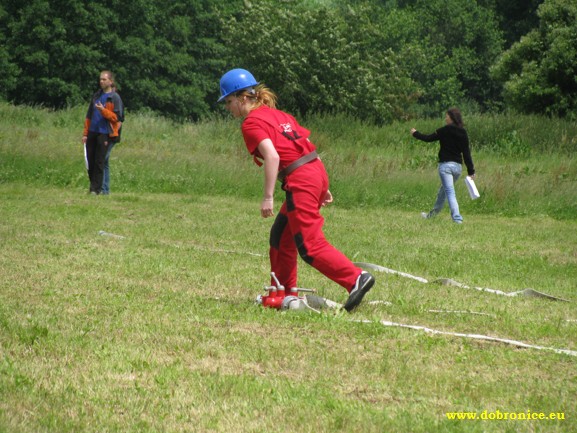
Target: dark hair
{"type": "Point", "coordinates": [455, 115]}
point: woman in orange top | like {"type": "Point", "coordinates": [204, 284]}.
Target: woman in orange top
{"type": "Point", "coordinates": [101, 129]}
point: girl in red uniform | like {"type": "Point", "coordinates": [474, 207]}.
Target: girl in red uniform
{"type": "Point", "coordinates": [275, 139]}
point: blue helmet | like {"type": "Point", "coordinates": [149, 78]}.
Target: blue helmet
{"type": "Point", "coordinates": [235, 80]}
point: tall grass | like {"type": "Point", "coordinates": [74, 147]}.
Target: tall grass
{"type": "Point", "coordinates": [525, 164]}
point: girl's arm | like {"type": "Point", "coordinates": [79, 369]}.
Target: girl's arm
{"type": "Point", "coordinates": [271, 163]}
{"type": "Point", "coordinates": [424, 137]}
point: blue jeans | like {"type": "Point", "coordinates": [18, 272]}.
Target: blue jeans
{"type": "Point", "coordinates": [106, 176]}
{"type": "Point", "coordinates": [449, 172]}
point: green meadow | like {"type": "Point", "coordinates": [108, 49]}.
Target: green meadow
{"type": "Point", "coordinates": [135, 312]}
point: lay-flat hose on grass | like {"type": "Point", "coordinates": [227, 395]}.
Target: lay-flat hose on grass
{"type": "Point", "coordinates": [476, 337]}
{"type": "Point", "coordinates": [449, 282]}
{"type": "Point", "coordinates": [516, 343]}
{"type": "Point", "coordinates": [315, 303]}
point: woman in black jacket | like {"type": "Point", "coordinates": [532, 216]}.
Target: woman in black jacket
{"type": "Point", "coordinates": [454, 149]}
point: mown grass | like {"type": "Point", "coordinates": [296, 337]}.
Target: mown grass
{"type": "Point", "coordinates": [157, 331]}
{"type": "Point", "coordinates": [152, 327]}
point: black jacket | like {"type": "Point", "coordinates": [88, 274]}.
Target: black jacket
{"type": "Point", "coordinates": [454, 145]}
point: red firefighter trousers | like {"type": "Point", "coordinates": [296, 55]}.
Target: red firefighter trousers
{"type": "Point", "coordinates": [298, 230]}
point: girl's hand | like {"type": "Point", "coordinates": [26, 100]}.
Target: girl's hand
{"type": "Point", "coordinates": [413, 130]}
{"type": "Point", "coordinates": [328, 199]}
{"type": "Point", "coordinates": [266, 208]}
{"type": "Point", "coordinates": [99, 106]}
{"type": "Point", "coordinates": [271, 163]}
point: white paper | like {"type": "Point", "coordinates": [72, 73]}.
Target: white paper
{"type": "Point", "coordinates": [472, 188]}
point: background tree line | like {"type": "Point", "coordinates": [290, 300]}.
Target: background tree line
{"type": "Point", "coordinates": [379, 60]}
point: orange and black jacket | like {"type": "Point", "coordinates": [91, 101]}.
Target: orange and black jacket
{"type": "Point", "coordinates": [113, 112]}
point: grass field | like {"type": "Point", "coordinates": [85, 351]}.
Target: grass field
{"type": "Point", "coordinates": [135, 312]}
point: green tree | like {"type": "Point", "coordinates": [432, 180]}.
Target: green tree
{"type": "Point", "coordinates": [517, 18]}
{"type": "Point", "coordinates": [41, 50]}
{"type": "Point", "coordinates": [540, 71]}
{"type": "Point", "coordinates": [318, 59]}
{"type": "Point", "coordinates": [448, 45]}
{"type": "Point", "coordinates": [171, 54]}
{"type": "Point", "coordinates": [378, 60]}
{"type": "Point", "coordinates": [7, 65]}
{"type": "Point", "coordinates": [166, 54]}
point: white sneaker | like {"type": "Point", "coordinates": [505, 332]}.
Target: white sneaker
{"type": "Point", "coordinates": [425, 215]}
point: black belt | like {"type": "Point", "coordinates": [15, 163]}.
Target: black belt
{"type": "Point", "coordinates": [305, 159]}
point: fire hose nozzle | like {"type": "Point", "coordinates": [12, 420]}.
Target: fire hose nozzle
{"type": "Point", "coordinates": [298, 289]}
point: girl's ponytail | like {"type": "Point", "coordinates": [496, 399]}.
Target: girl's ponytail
{"type": "Point", "coordinates": [260, 95]}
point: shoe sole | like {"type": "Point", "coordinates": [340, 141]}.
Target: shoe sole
{"type": "Point", "coordinates": [354, 300]}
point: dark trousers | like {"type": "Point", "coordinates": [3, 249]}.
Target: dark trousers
{"type": "Point", "coordinates": [96, 147]}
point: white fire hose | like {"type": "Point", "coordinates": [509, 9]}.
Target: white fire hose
{"type": "Point", "coordinates": [314, 303]}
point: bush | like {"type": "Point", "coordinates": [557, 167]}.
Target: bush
{"type": "Point", "coordinates": [540, 72]}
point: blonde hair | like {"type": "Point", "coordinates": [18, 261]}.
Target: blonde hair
{"type": "Point", "coordinates": [259, 95]}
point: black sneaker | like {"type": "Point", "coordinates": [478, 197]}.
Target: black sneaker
{"type": "Point", "coordinates": [362, 286]}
